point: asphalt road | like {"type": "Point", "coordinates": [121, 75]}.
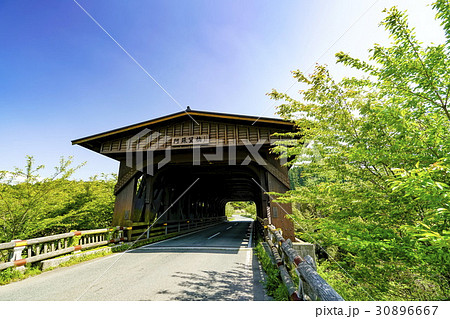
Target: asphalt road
{"type": "Point", "coordinates": [212, 264]}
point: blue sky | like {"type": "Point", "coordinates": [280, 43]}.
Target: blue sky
{"type": "Point", "coordinates": [62, 77]}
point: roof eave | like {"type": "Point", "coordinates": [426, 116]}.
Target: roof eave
{"type": "Point", "coordinates": [180, 114]}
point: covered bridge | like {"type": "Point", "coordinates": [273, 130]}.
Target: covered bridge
{"type": "Point", "coordinates": [187, 165]}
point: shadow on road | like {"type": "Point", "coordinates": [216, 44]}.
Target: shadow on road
{"type": "Point", "coordinates": [212, 285]}
{"type": "Point", "coordinates": [243, 283]}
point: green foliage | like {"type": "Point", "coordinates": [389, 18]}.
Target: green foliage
{"type": "Point", "coordinates": [77, 259]}
{"type": "Point", "coordinates": [281, 293]}
{"type": "Point", "coordinates": [246, 209]}
{"type": "Point", "coordinates": [296, 177]}
{"type": "Point", "coordinates": [229, 210]}
{"type": "Point", "coordinates": [12, 274]}
{"type": "Point", "coordinates": [32, 206]}
{"type": "Point", "coordinates": [273, 284]}
{"type": "Point", "coordinates": [372, 167]}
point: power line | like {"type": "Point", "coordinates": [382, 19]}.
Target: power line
{"type": "Point", "coordinates": [133, 59]}
{"type": "Point", "coordinates": [322, 55]}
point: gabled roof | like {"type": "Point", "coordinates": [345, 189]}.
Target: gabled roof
{"type": "Point", "coordinates": [190, 114]}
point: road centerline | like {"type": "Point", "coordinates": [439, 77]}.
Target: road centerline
{"type": "Point", "coordinates": [213, 235]}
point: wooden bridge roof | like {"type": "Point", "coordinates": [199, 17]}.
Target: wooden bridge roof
{"type": "Point", "coordinates": [93, 142]}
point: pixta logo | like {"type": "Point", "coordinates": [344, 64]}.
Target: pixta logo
{"type": "Point", "coordinates": [141, 151]}
{"type": "Point", "coordinates": [142, 148]}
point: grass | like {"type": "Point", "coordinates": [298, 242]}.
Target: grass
{"type": "Point", "coordinates": [273, 283]}
{"type": "Point", "coordinates": [13, 274]}
{"type": "Point", "coordinates": [76, 260]}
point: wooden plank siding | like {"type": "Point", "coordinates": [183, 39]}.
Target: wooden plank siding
{"type": "Point", "coordinates": [228, 134]}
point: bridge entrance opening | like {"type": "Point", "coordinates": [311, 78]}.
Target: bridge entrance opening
{"type": "Point", "coordinates": [240, 210]}
{"type": "Point", "coordinates": [182, 169]}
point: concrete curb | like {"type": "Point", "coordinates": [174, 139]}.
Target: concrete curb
{"type": "Point", "coordinates": [50, 263]}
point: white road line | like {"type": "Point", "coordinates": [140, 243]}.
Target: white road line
{"type": "Point", "coordinates": [229, 227]}
{"type": "Point", "coordinates": [197, 248]}
{"type": "Point", "coordinates": [251, 235]}
{"type": "Point", "coordinates": [173, 238]}
{"type": "Point", "coordinates": [247, 259]}
{"type": "Point", "coordinates": [248, 271]}
{"type": "Point", "coordinates": [213, 236]}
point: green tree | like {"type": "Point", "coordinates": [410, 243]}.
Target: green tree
{"type": "Point", "coordinates": [25, 198]}
{"type": "Point", "coordinates": [377, 197]}
{"type": "Point", "coordinates": [247, 209]}
{"type": "Point", "coordinates": [33, 206]}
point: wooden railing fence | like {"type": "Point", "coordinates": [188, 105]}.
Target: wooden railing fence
{"type": "Point", "coordinates": [17, 253]}
{"type": "Point", "coordinates": [21, 252]}
{"type": "Point", "coordinates": [311, 286]}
